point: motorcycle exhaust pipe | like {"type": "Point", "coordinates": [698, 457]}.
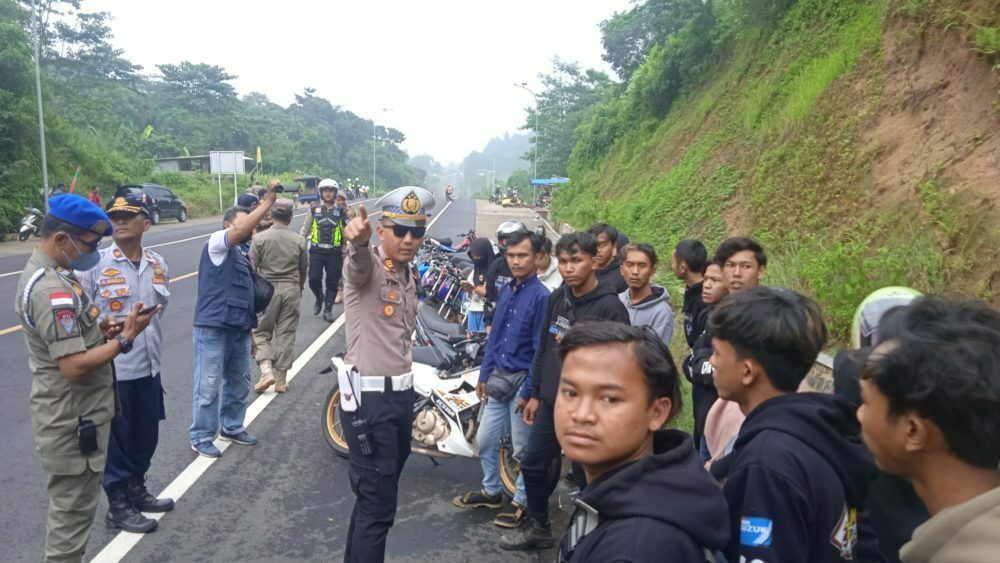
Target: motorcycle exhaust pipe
{"type": "Point", "coordinates": [430, 453]}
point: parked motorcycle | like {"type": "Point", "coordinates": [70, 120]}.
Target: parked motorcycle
{"type": "Point", "coordinates": [31, 224]}
{"type": "Point", "coordinates": [446, 417]}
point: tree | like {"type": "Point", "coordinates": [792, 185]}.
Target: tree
{"type": "Point", "coordinates": [628, 36]}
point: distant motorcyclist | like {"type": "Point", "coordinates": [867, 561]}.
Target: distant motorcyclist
{"type": "Point", "coordinates": [449, 193]}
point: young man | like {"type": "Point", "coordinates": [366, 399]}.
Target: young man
{"type": "Point", "coordinates": [499, 274]}
{"type": "Point", "coordinates": [280, 256]}
{"type": "Point", "coordinates": [647, 303]}
{"type": "Point", "coordinates": [931, 413]}
{"type": "Point", "coordinates": [548, 269]}
{"type": "Point", "coordinates": [688, 264]}
{"type": "Point", "coordinates": [509, 353]}
{"type": "Point", "coordinates": [128, 274]}
{"type": "Point", "coordinates": [580, 298]}
{"type": "Point", "coordinates": [648, 495]}
{"type": "Point", "coordinates": [799, 474]}
{"type": "Point", "coordinates": [703, 393]}
{"type": "Point", "coordinates": [607, 266]}
{"type": "Point", "coordinates": [324, 229]}
{"type": "Point", "coordinates": [224, 317]}
{"type": "Point", "coordinates": [744, 262]}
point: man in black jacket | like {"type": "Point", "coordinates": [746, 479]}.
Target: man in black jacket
{"type": "Point", "coordinates": [580, 298]}
{"type": "Point", "coordinates": [688, 264]}
{"type": "Point", "coordinates": [699, 368]}
{"type": "Point", "coordinates": [618, 388]}
{"type": "Point", "coordinates": [799, 476]}
{"type": "Point", "coordinates": [607, 264]}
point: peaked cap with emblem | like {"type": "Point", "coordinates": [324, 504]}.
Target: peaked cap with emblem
{"type": "Point", "coordinates": [81, 213]}
{"type": "Point", "coordinates": [128, 203]}
{"type": "Point", "coordinates": [407, 206]}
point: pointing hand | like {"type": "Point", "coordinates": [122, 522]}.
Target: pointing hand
{"type": "Point", "coordinates": [359, 230]}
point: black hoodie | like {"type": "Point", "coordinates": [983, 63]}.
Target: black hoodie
{"type": "Point", "coordinates": [664, 507]}
{"type": "Point", "coordinates": [612, 275]}
{"type": "Point", "coordinates": [601, 304]}
{"type": "Point", "coordinates": [798, 483]}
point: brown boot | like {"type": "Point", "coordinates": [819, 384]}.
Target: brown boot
{"type": "Point", "coordinates": [281, 384]}
{"type": "Point", "coordinates": [266, 377]}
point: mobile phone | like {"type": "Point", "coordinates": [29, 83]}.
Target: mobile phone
{"type": "Point", "coordinates": [147, 310]}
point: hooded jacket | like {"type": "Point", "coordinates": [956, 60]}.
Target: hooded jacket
{"type": "Point", "coordinates": [612, 275]}
{"type": "Point", "coordinates": [798, 483]}
{"type": "Point", "coordinates": [966, 532]}
{"type": "Point", "coordinates": [695, 313]}
{"type": "Point", "coordinates": [601, 304]}
{"type": "Point", "coordinates": [664, 507]}
{"type": "Point", "coordinates": [653, 311]}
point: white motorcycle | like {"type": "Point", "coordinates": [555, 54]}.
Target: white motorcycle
{"type": "Point", "coordinates": [31, 224]}
{"type": "Point", "coordinates": [446, 416]}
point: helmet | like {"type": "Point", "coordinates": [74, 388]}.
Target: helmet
{"type": "Point", "coordinates": [864, 329]}
{"type": "Point", "coordinates": [328, 183]}
{"type": "Point", "coordinates": [508, 228]}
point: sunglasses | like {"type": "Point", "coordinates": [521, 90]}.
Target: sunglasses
{"type": "Point", "coordinates": [400, 231]}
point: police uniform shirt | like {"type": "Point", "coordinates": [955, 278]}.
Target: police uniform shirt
{"type": "Point", "coordinates": [115, 286]}
{"type": "Point", "coordinates": [60, 320]}
{"type": "Point", "coordinates": [380, 304]}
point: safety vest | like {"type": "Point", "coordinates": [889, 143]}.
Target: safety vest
{"type": "Point", "coordinates": [327, 226]}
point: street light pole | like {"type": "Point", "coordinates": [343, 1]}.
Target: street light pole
{"type": "Point", "coordinates": [36, 18]}
{"type": "Point", "coordinates": [538, 137]}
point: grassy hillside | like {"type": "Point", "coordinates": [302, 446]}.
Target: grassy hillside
{"type": "Point", "coordinates": [857, 140]}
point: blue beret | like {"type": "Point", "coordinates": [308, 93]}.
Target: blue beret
{"type": "Point", "coordinates": [247, 200]}
{"type": "Point", "coordinates": [80, 212]}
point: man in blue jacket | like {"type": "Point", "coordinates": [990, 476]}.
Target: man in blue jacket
{"type": "Point", "coordinates": [517, 326]}
{"type": "Point", "coordinates": [799, 476]}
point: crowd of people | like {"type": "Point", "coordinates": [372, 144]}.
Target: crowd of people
{"type": "Point", "coordinates": [900, 463]}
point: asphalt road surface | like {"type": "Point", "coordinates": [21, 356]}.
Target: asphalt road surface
{"type": "Point", "coordinates": [287, 498]}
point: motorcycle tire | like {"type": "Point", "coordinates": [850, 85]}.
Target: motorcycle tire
{"type": "Point", "coordinates": [510, 469]}
{"type": "Point", "coordinates": [23, 235]}
{"type": "Point", "coordinates": [332, 429]}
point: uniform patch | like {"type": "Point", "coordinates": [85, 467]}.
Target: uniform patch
{"type": "Point", "coordinates": [112, 281]}
{"type": "Point", "coordinates": [65, 322]}
{"type": "Point", "coordinates": [845, 534]}
{"type": "Point", "coordinates": [388, 310]}
{"type": "Point", "coordinates": [388, 264]}
{"type": "Point", "coordinates": [61, 299]}
{"type": "Point", "coordinates": [393, 294]}
{"type": "Point", "coordinates": [115, 305]}
{"type": "Point", "coordinates": [123, 292]}
{"type": "Point", "coordinates": [106, 293]}
{"type": "Point", "coordinates": [78, 290]}
{"type": "Point", "coordinates": [111, 272]}
{"type": "Point", "coordinates": [94, 312]}
{"type": "Point", "coordinates": [159, 280]}
{"type": "Point", "coordinates": [118, 253]}
{"type": "Point", "coordinates": [756, 531]}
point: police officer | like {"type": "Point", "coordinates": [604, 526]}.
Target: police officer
{"type": "Point", "coordinates": [324, 229]}
{"type": "Point", "coordinates": [125, 274]}
{"type": "Point", "coordinates": [73, 396]}
{"type": "Point", "coordinates": [381, 308]}
{"type": "Point", "coordinates": [280, 256]}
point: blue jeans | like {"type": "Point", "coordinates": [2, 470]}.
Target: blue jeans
{"type": "Point", "coordinates": [476, 322]}
{"type": "Point", "coordinates": [221, 366]}
{"type": "Point", "coordinates": [498, 420]}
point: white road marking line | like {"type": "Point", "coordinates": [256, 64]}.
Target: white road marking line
{"type": "Point", "coordinates": [119, 547]}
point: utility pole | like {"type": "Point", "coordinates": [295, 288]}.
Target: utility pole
{"type": "Point", "coordinates": [36, 22]}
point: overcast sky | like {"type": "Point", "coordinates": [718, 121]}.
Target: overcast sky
{"type": "Point", "coordinates": [446, 68]}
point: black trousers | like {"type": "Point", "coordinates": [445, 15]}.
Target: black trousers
{"type": "Point", "coordinates": [375, 478]}
{"type": "Point", "coordinates": [702, 398]}
{"type": "Point", "coordinates": [327, 260]}
{"type": "Point", "coordinates": [542, 463]}
{"type": "Point", "coordinates": [135, 432]}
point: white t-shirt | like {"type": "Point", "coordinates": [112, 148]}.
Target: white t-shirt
{"type": "Point", "coordinates": [476, 303]}
{"type": "Point", "coordinates": [218, 247]}
{"type": "Point", "coordinates": [551, 279]}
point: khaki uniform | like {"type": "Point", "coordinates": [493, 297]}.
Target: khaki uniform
{"type": "Point", "coordinates": [59, 320]}
{"type": "Point", "coordinates": [280, 255]}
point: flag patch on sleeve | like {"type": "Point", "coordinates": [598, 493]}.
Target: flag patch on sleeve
{"type": "Point", "coordinates": [61, 299]}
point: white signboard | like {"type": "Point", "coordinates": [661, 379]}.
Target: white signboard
{"type": "Point", "coordinates": [227, 162]}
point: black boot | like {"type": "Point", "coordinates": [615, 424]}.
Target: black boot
{"type": "Point", "coordinates": [123, 516]}
{"type": "Point", "coordinates": [145, 502]}
{"type": "Point", "coordinates": [328, 313]}
{"type": "Point", "coordinates": [318, 306]}
{"type": "Point", "coordinates": [532, 535]}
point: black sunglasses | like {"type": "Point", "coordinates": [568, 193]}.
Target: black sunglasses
{"type": "Point", "coordinates": [400, 231]}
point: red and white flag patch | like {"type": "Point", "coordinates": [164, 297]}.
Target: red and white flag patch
{"type": "Point", "coordinates": [61, 299]}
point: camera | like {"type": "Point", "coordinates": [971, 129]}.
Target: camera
{"type": "Point", "coordinates": [279, 189]}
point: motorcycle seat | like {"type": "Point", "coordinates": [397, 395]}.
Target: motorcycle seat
{"type": "Point", "coordinates": [445, 241]}
{"type": "Point", "coordinates": [433, 322]}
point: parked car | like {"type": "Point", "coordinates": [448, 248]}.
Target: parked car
{"type": "Point", "coordinates": [161, 202]}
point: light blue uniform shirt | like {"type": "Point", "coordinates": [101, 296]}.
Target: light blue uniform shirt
{"type": "Point", "coordinates": [115, 286]}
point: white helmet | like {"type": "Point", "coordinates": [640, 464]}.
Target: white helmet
{"type": "Point", "coordinates": [328, 183]}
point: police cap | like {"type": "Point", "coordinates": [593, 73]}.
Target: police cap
{"type": "Point", "coordinates": [407, 206]}
{"type": "Point", "coordinates": [81, 213]}
{"type": "Point", "coordinates": [128, 203]}
{"type": "Point", "coordinates": [247, 200]}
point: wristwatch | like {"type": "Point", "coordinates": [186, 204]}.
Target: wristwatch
{"type": "Point", "coordinates": [125, 343]}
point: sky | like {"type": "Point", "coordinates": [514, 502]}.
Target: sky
{"type": "Point", "coordinates": [440, 71]}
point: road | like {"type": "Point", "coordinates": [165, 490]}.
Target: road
{"type": "Point", "coordinates": [287, 498]}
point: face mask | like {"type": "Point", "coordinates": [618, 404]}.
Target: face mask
{"type": "Point", "coordinates": [86, 261]}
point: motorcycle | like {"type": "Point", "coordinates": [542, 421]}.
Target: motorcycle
{"type": "Point", "coordinates": [512, 199]}
{"type": "Point", "coordinates": [446, 416]}
{"type": "Point", "coordinates": [31, 224]}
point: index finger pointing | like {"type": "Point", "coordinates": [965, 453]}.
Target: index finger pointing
{"type": "Point", "coordinates": [363, 212]}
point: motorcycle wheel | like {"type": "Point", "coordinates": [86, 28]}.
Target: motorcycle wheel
{"type": "Point", "coordinates": [23, 235]}
{"type": "Point", "coordinates": [510, 469]}
{"type": "Point", "coordinates": [332, 429]}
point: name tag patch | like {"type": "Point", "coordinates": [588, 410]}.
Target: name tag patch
{"type": "Point", "coordinates": [112, 281]}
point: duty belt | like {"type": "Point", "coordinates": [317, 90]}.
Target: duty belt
{"type": "Point", "coordinates": [322, 245]}
{"type": "Point", "coordinates": [379, 384]}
